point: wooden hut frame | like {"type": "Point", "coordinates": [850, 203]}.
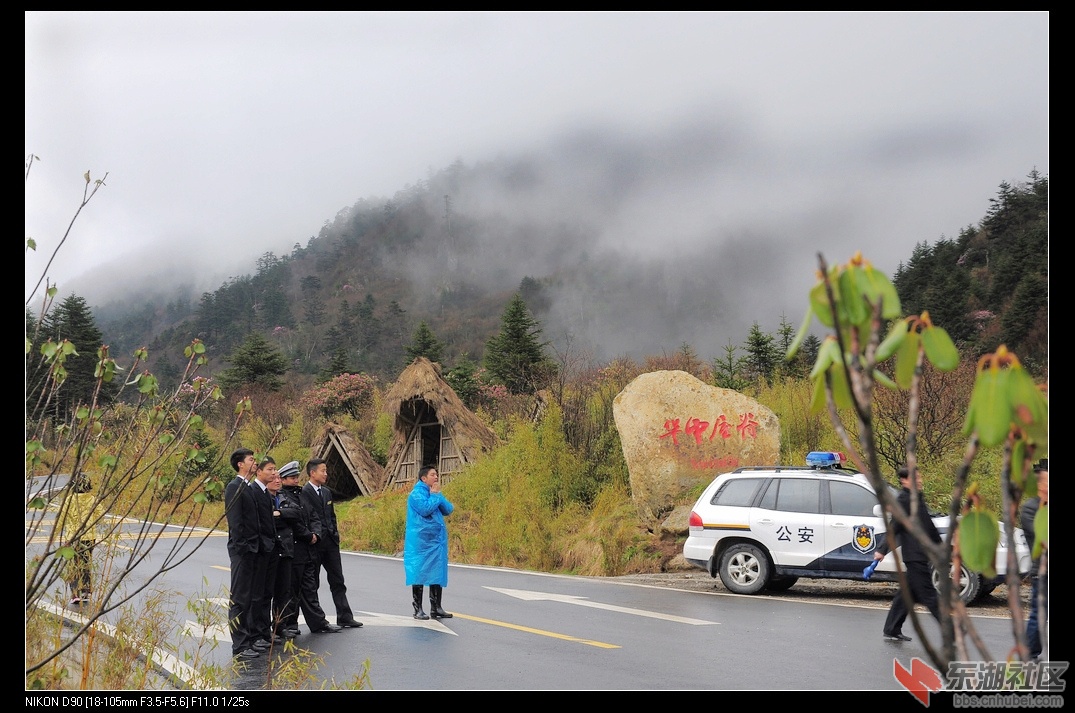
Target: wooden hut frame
{"type": "Point", "coordinates": [432, 427]}
{"type": "Point", "coordinates": [351, 469]}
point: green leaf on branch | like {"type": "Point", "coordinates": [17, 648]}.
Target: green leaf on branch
{"type": "Point", "coordinates": [907, 359]}
{"type": "Point", "coordinates": [852, 306]}
{"type": "Point", "coordinates": [988, 412]}
{"type": "Point", "coordinates": [819, 304]}
{"type": "Point", "coordinates": [978, 538]}
{"type": "Point", "coordinates": [876, 286]}
{"type": "Point", "coordinates": [1041, 530]}
{"type": "Point", "coordinates": [827, 355]}
{"type": "Point", "coordinates": [940, 349]}
{"type": "Point", "coordinates": [893, 341]}
{"type": "Point", "coordinates": [1018, 462]}
{"type": "Point", "coordinates": [1030, 408]}
{"type": "Point", "coordinates": [804, 328]}
{"type": "Point", "coordinates": [882, 378]}
{"type": "Point", "coordinates": [147, 383]}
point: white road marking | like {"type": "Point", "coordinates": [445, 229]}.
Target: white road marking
{"type": "Point", "coordinates": [583, 602]}
{"type": "Point", "coordinates": [368, 619]}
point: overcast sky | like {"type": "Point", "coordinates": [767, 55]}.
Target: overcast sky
{"type": "Point", "coordinates": [226, 135]}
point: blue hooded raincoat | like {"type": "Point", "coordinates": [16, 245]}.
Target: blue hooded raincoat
{"type": "Point", "coordinates": [425, 544]}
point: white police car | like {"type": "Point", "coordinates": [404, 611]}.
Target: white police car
{"type": "Point", "coordinates": [764, 527]}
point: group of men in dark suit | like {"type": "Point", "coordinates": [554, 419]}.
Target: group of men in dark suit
{"type": "Point", "coordinates": [280, 535]}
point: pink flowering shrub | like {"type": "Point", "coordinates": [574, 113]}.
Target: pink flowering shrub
{"type": "Point", "coordinates": [347, 393]}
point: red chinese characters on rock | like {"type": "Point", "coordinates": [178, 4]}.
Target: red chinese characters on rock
{"type": "Point", "coordinates": [748, 426]}
{"type": "Point", "coordinates": [696, 427]}
{"type": "Point", "coordinates": [671, 429]}
{"type": "Point", "coordinates": [721, 427]}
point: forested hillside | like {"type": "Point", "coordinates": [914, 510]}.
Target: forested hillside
{"type": "Point", "coordinates": [990, 286]}
{"type": "Point", "coordinates": [352, 298]}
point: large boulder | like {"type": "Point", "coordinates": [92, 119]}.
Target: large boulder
{"type": "Point", "coordinates": [678, 431]}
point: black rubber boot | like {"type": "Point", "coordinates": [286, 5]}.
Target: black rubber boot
{"type": "Point", "coordinates": [417, 590]}
{"type": "Point", "coordinates": [434, 603]}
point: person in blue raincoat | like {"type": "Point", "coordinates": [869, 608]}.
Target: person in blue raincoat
{"type": "Point", "coordinates": [425, 544]}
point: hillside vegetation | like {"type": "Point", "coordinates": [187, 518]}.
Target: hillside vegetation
{"type": "Point", "coordinates": [555, 495]}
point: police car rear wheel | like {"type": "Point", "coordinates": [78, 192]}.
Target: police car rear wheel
{"type": "Point", "coordinates": [744, 569]}
{"type": "Point", "coordinates": [970, 584]}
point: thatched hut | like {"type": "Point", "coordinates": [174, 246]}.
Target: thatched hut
{"type": "Point", "coordinates": [351, 469]}
{"type": "Point", "coordinates": [432, 426]}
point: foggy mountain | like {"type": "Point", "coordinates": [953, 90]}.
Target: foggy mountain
{"type": "Point", "coordinates": [625, 245]}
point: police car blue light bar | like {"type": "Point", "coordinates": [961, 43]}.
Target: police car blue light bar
{"type": "Point", "coordinates": [824, 459]}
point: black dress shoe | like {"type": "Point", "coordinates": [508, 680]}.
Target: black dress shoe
{"type": "Point", "coordinates": [350, 624]}
{"type": "Point", "coordinates": [328, 629]}
{"type": "Point", "coordinates": [896, 637]}
{"type": "Point", "coordinates": [291, 633]}
{"type": "Point", "coordinates": [247, 654]}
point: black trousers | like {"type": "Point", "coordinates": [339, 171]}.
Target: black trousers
{"type": "Point", "coordinates": [281, 593]}
{"type": "Point", "coordinates": [260, 626]}
{"type": "Point", "coordinates": [920, 581]}
{"type": "Point", "coordinates": [243, 567]}
{"type": "Point", "coordinates": [328, 556]}
{"type": "Point", "coordinates": [305, 576]}
{"type": "Point", "coordinates": [79, 568]}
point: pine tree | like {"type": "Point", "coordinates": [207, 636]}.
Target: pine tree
{"type": "Point", "coordinates": [424, 344]}
{"type": "Point", "coordinates": [463, 378]}
{"type": "Point", "coordinates": [728, 372]}
{"type": "Point", "coordinates": [311, 298]}
{"type": "Point", "coordinates": [71, 320]}
{"type": "Point", "coordinates": [337, 366]}
{"type": "Point", "coordinates": [255, 362]}
{"type": "Point", "coordinates": [515, 357]}
{"type": "Point", "coordinates": [762, 354]}
{"type": "Point", "coordinates": [806, 356]}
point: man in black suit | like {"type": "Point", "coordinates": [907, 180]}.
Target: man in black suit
{"type": "Point", "coordinates": [264, 577]}
{"type": "Point", "coordinates": [243, 545]}
{"type": "Point", "coordinates": [915, 560]}
{"type": "Point", "coordinates": [318, 498]}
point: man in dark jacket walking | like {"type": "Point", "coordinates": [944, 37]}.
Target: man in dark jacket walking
{"type": "Point", "coordinates": [915, 560]}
